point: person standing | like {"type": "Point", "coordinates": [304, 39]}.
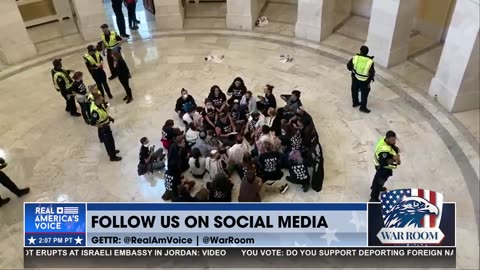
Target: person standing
{"type": "Point", "coordinates": [63, 83]}
{"type": "Point", "coordinates": [117, 9]}
{"type": "Point", "coordinates": [363, 73]}
{"type": "Point", "coordinates": [123, 73]}
{"type": "Point", "coordinates": [94, 63]}
{"type": "Point", "coordinates": [387, 158]}
{"type": "Point", "coordinates": [101, 119]}
{"type": "Point", "coordinates": [9, 184]}
{"type": "Point", "coordinates": [132, 17]}
{"type": "Point", "coordinates": [110, 42]}
{"type": "Point", "coordinates": [80, 91]}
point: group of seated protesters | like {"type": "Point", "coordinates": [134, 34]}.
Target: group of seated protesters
{"type": "Point", "coordinates": [241, 134]}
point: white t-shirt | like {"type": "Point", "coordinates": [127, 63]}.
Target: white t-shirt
{"type": "Point", "coordinates": [197, 170]}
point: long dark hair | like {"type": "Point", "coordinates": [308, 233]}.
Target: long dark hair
{"type": "Point", "coordinates": [220, 182]}
{"type": "Point", "coordinates": [196, 154]}
{"type": "Point", "coordinates": [212, 90]}
{"type": "Point", "coordinates": [232, 86]}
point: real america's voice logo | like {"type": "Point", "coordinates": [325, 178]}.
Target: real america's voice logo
{"type": "Point", "coordinates": [411, 217]}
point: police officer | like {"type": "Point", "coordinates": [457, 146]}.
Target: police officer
{"type": "Point", "coordinates": [9, 184]}
{"type": "Point", "coordinates": [101, 119]}
{"type": "Point", "coordinates": [94, 63]}
{"type": "Point", "coordinates": [63, 83]}
{"type": "Point", "coordinates": [111, 41]}
{"type": "Point", "coordinates": [387, 158]}
{"type": "Point", "coordinates": [363, 71]}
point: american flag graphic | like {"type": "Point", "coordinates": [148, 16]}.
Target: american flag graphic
{"type": "Point", "coordinates": [67, 210]}
{"type": "Point", "coordinates": [392, 200]}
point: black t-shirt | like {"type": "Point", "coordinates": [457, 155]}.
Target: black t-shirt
{"type": "Point", "coordinates": [295, 142]}
{"type": "Point", "coordinates": [299, 172]}
{"type": "Point", "coordinates": [270, 163]}
{"type": "Point", "coordinates": [271, 101]}
{"type": "Point", "coordinates": [238, 115]}
{"type": "Point", "coordinates": [172, 180]}
{"type": "Point", "coordinates": [144, 154]}
{"type": "Point", "coordinates": [217, 101]}
{"type": "Point", "coordinates": [168, 133]}
{"type": "Point", "coordinates": [210, 113]}
{"type": "Point", "coordinates": [237, 93]}
{"type": "Point", "coordinates": [225, 127]}
{"type": "Point", "coordinates": [79, 88]}
{"type": "Point", "coordinates": [185, 105]}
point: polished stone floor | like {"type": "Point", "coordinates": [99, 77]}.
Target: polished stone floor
{"type": "Point", "coordinates": [61, 159]}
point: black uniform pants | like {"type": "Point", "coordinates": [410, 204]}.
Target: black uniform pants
{"type": "Point", "coordinates": [125, 83]}
{"type": "Point", "coordinates": [111, 66]}
{"type": "Point", "coordinates": [70, 106]}
{"type": "Point", "coordinates": [117, 9]}
{"type": "Point", "coordinates": [107, 138]}
{"type": "Point", "coordinates": [132, 19]}
{"type": "Point", "coordinates": [381, 176]}
{"type": "Point", "coordinates": [8, 183]}
{"type": "Point", "coordinates": [100, 78]}
{"type": "Point", "coordinates": [364, 88]}
{"type": "Point", "coordinates": [84, 108]}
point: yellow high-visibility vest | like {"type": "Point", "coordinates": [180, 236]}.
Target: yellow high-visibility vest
{"type": "Point", "coordinates": [361, 66]}
{"type": "Point", "coordinates": [68, 81]}
{"type": "Point", "coordinates": [102, 114]}
{"type": "Point", "coordinates": [112, 43]}
{"type": "Point", "coordinates": [383, 147]}
{"type": "Point", "coordinates": [93, 61]}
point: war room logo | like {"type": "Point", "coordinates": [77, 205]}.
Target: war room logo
{"type": "Point", "coordinates": [411, 217]}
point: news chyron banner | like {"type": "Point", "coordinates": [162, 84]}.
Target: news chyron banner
{"type": "Point", "coordinates": [408, 223]}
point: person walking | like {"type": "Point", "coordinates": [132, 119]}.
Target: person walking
{"type": "Point", "coordinates": [387, 158]}
{"type": "Point", "coordinates": [9, 184]}
{"type": "Point", "coordinates": [363, 72]}
{"type": "Point", "coordinates": [110, 42]}
{"type": "Point", "coordinates": [123, 73]}
{"type": "Point", "coordinates": [101, 119]}
{"type": "Point", "coordinates": [132, 17]}
{"type": "Point", "coordinates": [63, 83]}
{"type": "Point", "coordinates": [94, 63]}
{"type": "Point", "coordinates": [117, 9]}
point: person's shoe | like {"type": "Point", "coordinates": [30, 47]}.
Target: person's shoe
{"type": "Point", "coordinates": [117, 151]}
{"type": "Point", "coordinates": [129, 100]}
{"type": "Point", "coordinates": [125, 35]}
{"type": "Point", "coordinates": [355, 105]}
{"type": "Point", "coordinates": [383, 189]}
{"type": "Point", "coordinates": [4, 201]}
{"type": "Point", "coordinates": [134, 27]}
{"type": "Point", "coordinates": [110, 96]}
{"type": "Point", "coordinates": [112, 77]}
{"type": "Point", "coordinates": [137, 21]}
{"type": "Point", "coordinates": [125, 98]}
{"type": "Point", "coordinates": [284, 188]}
{"type": "Point", "coordinates": [23, 191]}
{"type": "Point", "coordinates": [374, 200]}
{"type": "Point", "coordinates": [115, 158]}
{"type": "Point", "coordinates": [365, 110]}
{"type": "Point", "coordinates": [75, 114]}
{"type": "Point", "coordinates": [306, 187]}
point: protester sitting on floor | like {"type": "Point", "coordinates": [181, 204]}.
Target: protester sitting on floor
{"type": "Point", "coordinates": [236, 90]}
{"type": "Point", "coordinates": [265, 137]}
{"type": "Point", "coordinates": [268, 101]}
{"type": "Point", "coordinates": [169, 133]}
{"type": "Point", "coordinates": [248, 103]}
{"type": "Point", "coordinates": [184, 103]}
{"type": "Point", "coordinates": [216, 165]}
{"type": "Point", "coordinates": [202, 145]}
{"type": "Point", "coordinates": [274, 122]}
{"type": "Point", "coordinates": [247, 164]}
{"type": "Point", "coordinates": [193, 116]}
{"type": "Point", "coordinates": [209, 115]}
{"type": "Point", "coordinates": [149, 158]}
{"type": "Point", "coordinates": [220, 189]}
{"type": "Point", "coordinates": [270, 163]}
{"type": "Point", "coordinates": [197, 164]}
{"type": "Point", "coordinates": [191, 135]}
{"type": "Point", "coordinates": [173, 179]}
{"type": "Point", "coordinates": [178, 154]}
{"type": "Point", "coordinates": [251, 186]}
{"type": "Point", "coordinates": [238, 116]}
{"type": "Point", "coordinates": [292, 103]}
{"type": "Point", "coordinates": [298, 170]}
{"type": "Point", "coordinates": [183, 195]}
{"type": "Point", "coordinates": [225, 129]}
{"type": "Point", "coordinates": [237, 151]}
{"type": "Point", "coordinates": [254, 127]}
{"type": "Point", "coordinates": [218, 98]}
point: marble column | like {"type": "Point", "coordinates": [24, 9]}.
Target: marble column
{"type": "Point", "coordinates": [169, 14]}
{"type": "Point", "coordinates": [15, 44]}
{"type": "Point", "coordinates": [315, 19]}
{"type": "Point", "coordinates": [389, 30]}
{"type": "Point", "coordinates": [456, 83]}
{"type": "Point", "coordinates": [90, 16]}
{"type": "Point", "coordinates": [240, 14]}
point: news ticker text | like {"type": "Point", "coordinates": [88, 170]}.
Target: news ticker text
{"type": "Point", "coordinates": [299, 257]}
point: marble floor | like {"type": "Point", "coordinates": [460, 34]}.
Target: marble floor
{"type": "Point", "coordinates": [60, 158]}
